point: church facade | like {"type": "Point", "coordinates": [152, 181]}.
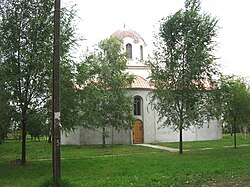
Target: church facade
{"type": "Point", "coordinates": [146, 128]}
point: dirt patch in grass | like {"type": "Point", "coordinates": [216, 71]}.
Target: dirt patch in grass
{"type": "Point", "coordinates": [242, 181]}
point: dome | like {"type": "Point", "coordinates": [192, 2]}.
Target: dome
{"type": "Point", "coordinates": [140, 82]}
{"type": "Point", "coordinates": [125, 32]}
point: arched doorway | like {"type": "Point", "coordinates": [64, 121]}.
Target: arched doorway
{"type": "Point", "coordinates": [138, 132]}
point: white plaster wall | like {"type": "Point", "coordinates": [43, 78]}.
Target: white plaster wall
{"type": "Point", "coordinates": [135, 65]}
{"type": "Point", "coordinates": [151, 129]}
{"type": "Point", "coordinates": [147, 117]}
{"type": "Point", "coordinates": [166, 135]}
{"type": "Point", "coordinates": [136, 54]}
{"type": "Point", "coordinates": [91, 136]}
{"type": "Point", "coordinates": [122, 137]}
{"type": "Point", "coordinates": [211, 131]}
{"type": "Point", "coordinates": [95, 136]}
{"type": "Point", "coordinates": [141, 72]}
{"type": "Point", "coordinates": [71, 138]}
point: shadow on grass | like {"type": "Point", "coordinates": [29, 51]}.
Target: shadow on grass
{"type": "Point", "coordinates": [60, 183]}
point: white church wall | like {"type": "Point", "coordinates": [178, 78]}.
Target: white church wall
{"type": "Point", "coordinates": [148, 117]}
{"type": "Point", "coordinates": [136, 54]}
{"type": "Point", "coordinates": [95, 136]}
{"type": "Point", "coordinates": [71, 138]}
{"type": "Point", "coordinates": [152, 130]}
{"type": "Point", "coordinates": [121, 137]}
{"type": "Point", "coordinates": [139, 71]}
{"type": "Point", "coordinates": [209, 131]}
{"type": "Point", "coordinates": [149, 127]}
{"type": "Point", "coordinates": [91, 136]}
{"type": "Point", "coordinates": [165, 134]}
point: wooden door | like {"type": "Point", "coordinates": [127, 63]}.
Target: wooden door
{"type": "Point", "coordinates": [138, 132]}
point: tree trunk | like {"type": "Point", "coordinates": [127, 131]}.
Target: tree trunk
{"type": "Point", "coordinates": [180, 141]}
{"type": "Point", "coordinates": [234, 129]}
{"type": "Point", "coordinates": [103, 137]}
{"type": "Point", "coordinates": [23, 142]}
{"type": "Point", "coordinates": [49, 139]}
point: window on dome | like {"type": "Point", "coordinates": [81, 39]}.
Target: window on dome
{"type": "Point", "coordinates": [137, 105]}
{"type": "Point", "coordinates": [141, 52]}
{"type": "Point", "coordinates": [129, 50]}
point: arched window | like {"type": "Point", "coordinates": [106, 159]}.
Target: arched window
{"type": "Point", "coordinates": [141, 52]}
{"type": "Point", "coordinates": [137, 105]}
{"type": "Point", "coordinates": [129, 50]}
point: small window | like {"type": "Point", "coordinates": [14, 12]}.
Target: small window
{"type": "Point", "coordinates": [141, 52]}
{"type": "Point", "coordinates": [137, 105]}
{"type": "Point", "coordinates": [129, 50]}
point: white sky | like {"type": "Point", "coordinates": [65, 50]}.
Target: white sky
{"type": "Point", "coordinates": [101, 18]}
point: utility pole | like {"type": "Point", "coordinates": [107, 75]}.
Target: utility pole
{"type": "Point", "coordinates": [56, 139]}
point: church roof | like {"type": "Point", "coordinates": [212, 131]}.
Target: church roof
{"type": "Point", "coordinates": [125, 32]}
{"type": "Point", "coordinates": [140, 82]}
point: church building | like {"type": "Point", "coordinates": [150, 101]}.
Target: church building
{"type": "Point", "coordinates": [146, 128]}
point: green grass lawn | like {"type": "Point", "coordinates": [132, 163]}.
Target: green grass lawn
{"type": "Point", "coordinates": [128, 165]}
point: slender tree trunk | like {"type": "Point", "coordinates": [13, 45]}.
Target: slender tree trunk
{"type": "Point", "coordinates": [49, 139]}
{"type": "Point", "coordinates": [103, 137]}
{"type": "Point", "coordinates": [234, 129]}
{"type": "Point", "coordinates": [23, 142]}
{"type": "Point", "coordinates": [180, 145]}
{"type": "Point", "coordinates": [1, 139]}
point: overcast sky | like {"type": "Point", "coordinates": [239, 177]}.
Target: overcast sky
{"type": "Point", "coordinates": [101, 18]}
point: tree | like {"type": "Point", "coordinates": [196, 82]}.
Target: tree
{"type": "Point", "coordinates": [234, 102]}
{"type": "Point", "coordinates": [68, 93]}
{"type": "Point", "coordinates": [25, 40]}
{"type": "Point", "coordinates": [26, 51]}
{"type": "Point", "coordinates": [183, 68]}
{"type": "Point", "coordinates": [103, 89]}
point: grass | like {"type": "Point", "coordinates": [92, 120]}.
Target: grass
{"type": "Point", "coordinates": [127, 165]}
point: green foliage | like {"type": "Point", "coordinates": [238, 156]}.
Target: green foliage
{"type": "Point", "coordinates": [26, 56]}
{"type": "Point", "coordinates": [5, 110]}
{"type": "Point", "coordinates": [183, 67]}
{"type": "Point", "coordinates": [36, 125]}
{"type": "Point", "coordinates": [69, 99]}
{"type": "Point", "coordinates": [233, 103]}
{"type": "Point", "coordinates": [27, 51]}
{"type": "Point", "coordinates": [25, 38]}
{"type": "Point", "coordinates": [103, 88]}
{"type": "Point", "coordinates": [235, 100]}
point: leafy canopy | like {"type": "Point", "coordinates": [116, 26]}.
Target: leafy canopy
{"type": "Point", "coordinates": [183, 67]}
{"type": "Point", "coordinates": [235, 100]}
{"type": "Point", "coordinates": [103, 88]}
